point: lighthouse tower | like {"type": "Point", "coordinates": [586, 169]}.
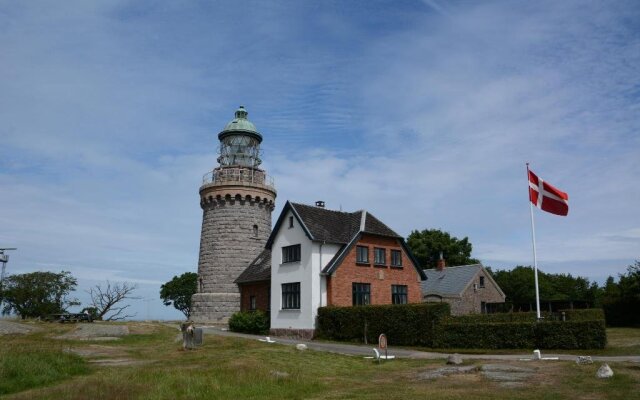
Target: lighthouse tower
{"type": "Point", "coordinates": [237, 199]}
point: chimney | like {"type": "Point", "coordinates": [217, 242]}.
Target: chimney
{"type": "Point", "coordinates": [320, 203]}
{"type": "Point", "coordinates": [441, 263]}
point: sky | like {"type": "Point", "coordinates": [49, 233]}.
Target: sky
{"type": "Point", "coordinates": [424, 113]}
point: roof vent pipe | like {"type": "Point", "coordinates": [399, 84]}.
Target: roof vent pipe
{"type": "Point", "coordinates": [441, 263]}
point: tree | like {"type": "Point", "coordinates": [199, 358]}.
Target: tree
{"type": "Point", "coordinates": [426, 246]}
{"type": "Point", "coordinates": [629, 283]}
{"type": "Point", "coordinates": [38, 293]}
{"type": "Point", "coordinates": [518, 285]}
{"type": "Point", "coordinates": [178, 291]}
{"type": "Point", "coordinates": [109, 299]}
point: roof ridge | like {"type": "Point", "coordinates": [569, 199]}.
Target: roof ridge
{"type": "Point", "coordinates": [322, 208]}
{"type": "Point", "coordinates": [363, 220]}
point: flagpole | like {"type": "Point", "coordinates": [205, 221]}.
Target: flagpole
{"type": "Point", "coordinates": [533, 239]}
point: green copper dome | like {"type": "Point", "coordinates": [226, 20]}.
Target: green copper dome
{"type": "Point", "coordinates": [240, 125]}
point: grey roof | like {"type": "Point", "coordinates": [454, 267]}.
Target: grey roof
{"type": "Point", "coordinates": [338, 226]}
{"type": "Point", "coordinates": [258, 270]}
{"type": "Point", "coordinates": [451, 281]}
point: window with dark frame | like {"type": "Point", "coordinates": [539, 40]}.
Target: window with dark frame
{"type": "Point", "coordinates": [291, 296]}
{"type": "Point", "coordinates": [362, 254]}
{"type": "Point", "coordinates": [361, 294]}
{"type": "Point", "coordinates": [399, 294]}
{"type": "Point", "coordinates": [379, 256]}
{"type": "Point", "coordinates": [252, 303]}
{"type": "Point", "coordinates": [482, 281]}
{"type": "Point", "coordinates": [396, 258]}
{"type": "Point", "coordinates": [291, 253]}
{"type": "Point", "coordinates": [290, 222]}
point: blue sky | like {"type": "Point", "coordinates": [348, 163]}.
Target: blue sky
{"type": "Point", "coordinates": [423, 113]}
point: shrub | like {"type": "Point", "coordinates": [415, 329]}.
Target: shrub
{"type": "Point", "coordinates": [571, 335]}
{"type": "Point", "coordinates": [256, 322]}
{"type": "Point", "coordinates": [587, 314]}
{"type": "Point", "coordinates": [623, 312]}
{"type": "Point", "coordinates": [407, 324]}
{"type": "Point", "coordinates": [498, 317]}
{"type": "Point", "coordinates": [518, 335]}
{"type": "Point", "coordinates": [493, 335]}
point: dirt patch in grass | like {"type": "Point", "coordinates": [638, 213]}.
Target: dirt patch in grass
{"type": "Point", "coordinates": [12, 327]}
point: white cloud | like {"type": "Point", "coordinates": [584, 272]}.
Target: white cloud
{"type": "Point", "coordinates": [424, 114]}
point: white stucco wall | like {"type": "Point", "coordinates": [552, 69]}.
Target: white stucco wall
{"type": "Point", "coordinates": [313, 292]}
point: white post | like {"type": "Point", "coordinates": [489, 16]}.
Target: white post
{"type": "Point", "coordinates": [533, 239]}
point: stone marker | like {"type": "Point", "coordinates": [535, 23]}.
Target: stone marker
{"type": "Point", "coordinates": [301, 346]}
{"type": "Point", "coordinates": [584, 360]}
{"type": "Point", "coordinates": [604, 372]}
{"type": "Point", "coordinates": [537, 355]}
{"type": "Point", "coordinates": [454, 359]}
{"type": "Point", "coordinates": [188, 333]}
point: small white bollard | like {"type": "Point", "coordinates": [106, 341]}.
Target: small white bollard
{"type": "Point", "coordinates": [537, 355]}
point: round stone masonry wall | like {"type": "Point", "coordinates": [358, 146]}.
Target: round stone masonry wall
{"type": "Point", "coordinates": [234, 231]}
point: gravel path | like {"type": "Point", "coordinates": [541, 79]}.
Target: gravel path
{"type": "Point", "coordinates": [364, 350]}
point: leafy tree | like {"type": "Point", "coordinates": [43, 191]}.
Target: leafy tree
{"type": "Point", "coordinates": [109, 299]}
{"type": "Point", "coordinates": [519, 286]}
{"type": "Point", "coordinates": [426, 246]}
{"type": "Point", "coordinates": [38, 293]}
{"type": "Point", "coordinates": [178, 291]}
{"type": "Point", "coordinates": [621, 300]}
{"type": "Point", "coordinates": [629, 283]}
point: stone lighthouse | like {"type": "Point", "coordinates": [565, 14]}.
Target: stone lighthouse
{"type": "Point", "coordinates": [237, 199]}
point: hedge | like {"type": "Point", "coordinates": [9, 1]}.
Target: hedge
{"type": "Point", "coordinates": [622, 312]}
{"type": "Point", "coordinates": [586, 314]}
{"type": "Point", "coordinates": [431, 325]}
{"type": "Point", "coordinates": [406, 324]}
{"type": "Point", "coordinates": [256, 322]}
{"type": "Point", "coordinates": [493, 335]}
{"type": "Point", "coordinates": [510, 335]}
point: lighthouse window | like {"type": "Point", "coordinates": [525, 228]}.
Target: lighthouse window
{"type": "Point", "coordinates": [291, 253]}
{"type": "Point", "coordinates": [255, 231]}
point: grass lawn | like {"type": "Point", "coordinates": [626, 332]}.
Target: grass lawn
{"type": "Point", "coordinates": [153, 366]}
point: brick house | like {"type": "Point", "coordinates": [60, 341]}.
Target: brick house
{"type": "Point", "coordinates": [321, 257]}
{"type": "Point", "coordinates": [469, 289]}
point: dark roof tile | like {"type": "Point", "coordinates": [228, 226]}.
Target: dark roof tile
{"type": "Point", "coordinates": [258, 270]}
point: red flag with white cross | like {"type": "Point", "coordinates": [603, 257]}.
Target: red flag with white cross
{"type": "Point", "coordinates": [547, 197]}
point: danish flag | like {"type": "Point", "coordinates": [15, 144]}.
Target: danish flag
{"type": "Point", "coordinates": [546, 197]}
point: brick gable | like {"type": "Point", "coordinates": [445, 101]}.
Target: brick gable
{"type": "Point", "coordinates": [339, 283]}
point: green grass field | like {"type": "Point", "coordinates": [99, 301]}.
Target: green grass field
{"type": "Point", "coordinates": [150, 364]}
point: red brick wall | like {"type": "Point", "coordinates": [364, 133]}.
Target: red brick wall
{"type": "Point", "coordinates": [339, 285]}
{"type": "Point", "coordinates": [258, 289]}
